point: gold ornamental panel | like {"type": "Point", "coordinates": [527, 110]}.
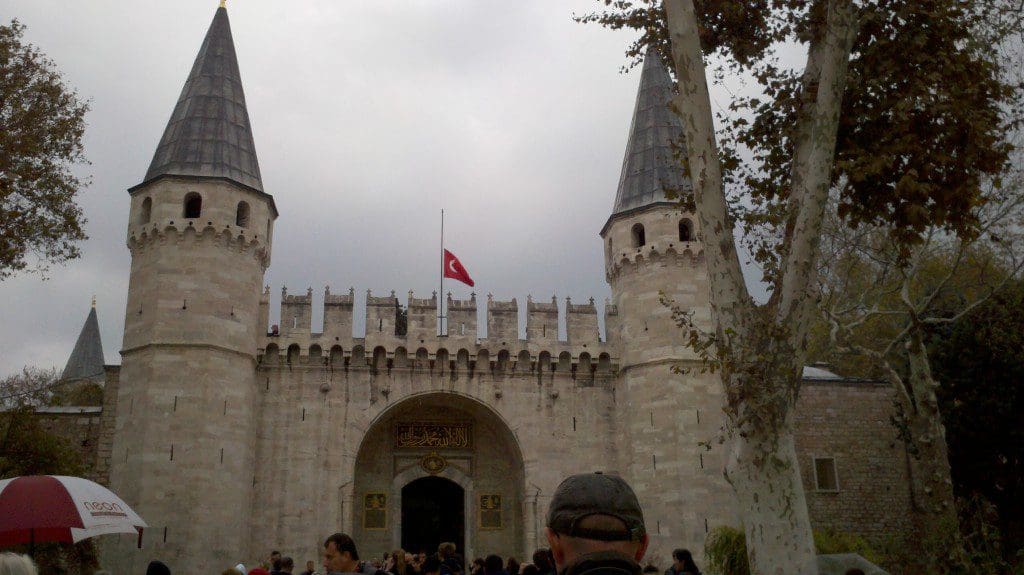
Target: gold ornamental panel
{"type": "Point", "coordinates": [375, 511]}
{"type": "Point", "coordinates": [490, 511]}
{"type": "Point", "coordinates": [458, 435]}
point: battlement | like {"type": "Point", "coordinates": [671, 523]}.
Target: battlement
{"type": "Point", "coordinates": [389, 322]}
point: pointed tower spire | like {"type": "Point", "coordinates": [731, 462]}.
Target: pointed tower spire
{"type": "Point", "coordinates": [86, 361]}
{"type": "Point", "coordinates": [209, 134]}
{"type": "Point", "coordinates": [649, 165]}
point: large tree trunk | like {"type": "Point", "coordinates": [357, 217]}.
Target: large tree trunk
{"type": "Point", "coordinates": [929, 462]}
{"type": "Point", "coordinates": [765, 475]}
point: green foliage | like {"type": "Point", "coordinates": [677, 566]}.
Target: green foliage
{"type": "Point", "coordinates": [978, 362]}
{"type": "Point", "coordinates": [26, 448]}
{"type": "Point", "coordinates": [41, 126]}
{"type": "Point", "coordinates": [830, 541]}
{"type": "Point", "coordinates": [726, 551]}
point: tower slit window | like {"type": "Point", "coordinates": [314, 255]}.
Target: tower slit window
{"type": "Point", "coordinates": [685, 230]}
{"type": "Point", "coordinates": [242, 215]}
{"type": "Point", "coordinates": [639, 236]}
{"type": "Point", "coordinates": [193, 205]}
{"type": "Point", "coordinates": [147, 211]}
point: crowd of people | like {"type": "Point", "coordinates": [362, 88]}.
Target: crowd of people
{"type": "Point", "coordinates": [595, 526]}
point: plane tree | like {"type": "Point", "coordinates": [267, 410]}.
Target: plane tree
{"type": "Point", "coordinates": [899, 106]}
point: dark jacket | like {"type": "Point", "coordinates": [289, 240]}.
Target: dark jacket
{"type": "Point", "coordinates": [603, 563]}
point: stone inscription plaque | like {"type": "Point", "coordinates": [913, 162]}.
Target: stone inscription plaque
{"type": "Point", "coordinates": [434, 435]}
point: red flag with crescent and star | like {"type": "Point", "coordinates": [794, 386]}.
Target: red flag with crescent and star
{"type": "Point", "coordinates": [453, 269]}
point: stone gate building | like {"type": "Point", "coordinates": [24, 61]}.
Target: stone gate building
{"type": "Point", "coordinates": [230, 440]}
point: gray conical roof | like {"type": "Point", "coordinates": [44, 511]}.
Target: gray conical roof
{"type": "Point", "coordinates": [86, 359]}
{"type": "Point", "coordinates": [208, 134]}
{"type": "Point", "coordinates": [649, 165]}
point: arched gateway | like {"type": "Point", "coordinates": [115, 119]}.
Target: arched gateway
{"type": "Point", "coordinates": [439, 467]}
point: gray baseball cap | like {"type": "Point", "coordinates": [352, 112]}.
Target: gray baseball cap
{"type": "Point", "coordinates": [588, 494]}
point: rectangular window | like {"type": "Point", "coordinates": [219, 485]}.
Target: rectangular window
{"type": "Point", "coordinates": [825, 478]}
{"type": "Point", "coordinates": [375, 511]}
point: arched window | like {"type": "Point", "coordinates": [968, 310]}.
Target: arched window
{"type": "Point", "coordinates": [147, 211]}
{"type": "Point", "coordinates": [193, 205]}
{"type": "Point", "coordinates": [685, 230]}
{"type": "Point", "coordinates": [639, 238]}
{"type": "Point", "coordinates": [242, 215]}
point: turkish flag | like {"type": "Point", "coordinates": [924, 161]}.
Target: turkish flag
{"type": "Point", "coordinates": [453, 269]}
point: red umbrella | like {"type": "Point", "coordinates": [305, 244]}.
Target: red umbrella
{"type": "Point", "coordinates": [38, 508]}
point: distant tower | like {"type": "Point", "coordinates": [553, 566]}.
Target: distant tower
{"type": "Point", "coordinates": [200, 236]}
{"type": "Point", "coordinates": [651, 248]}
{"type": "Point", "coordinates": [85, 364]}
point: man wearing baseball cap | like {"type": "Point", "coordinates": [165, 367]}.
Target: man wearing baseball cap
{"type": "Point", "coordinates": [595, 526]}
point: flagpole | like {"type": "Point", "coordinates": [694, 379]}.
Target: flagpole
{"type": "Point", "coordinates": [440, 294]}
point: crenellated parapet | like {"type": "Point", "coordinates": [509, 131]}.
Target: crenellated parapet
{"type": "Point", "coordinates": [541, 320]}
{"type": "Point", "coordinates": [392, 324]}
{"type": "Point", "coordinates": [296, 312]}
{"type": "Point", "coordinates": [502, 320]}
{"type": "Point", "coordinates": [141, 239]}
{"type": "Point", "coordinates": [581, 321]}
{"type": "Point", "coordinates": [338, 313]}
{"type": "Point", "coordinates": [461, 314]}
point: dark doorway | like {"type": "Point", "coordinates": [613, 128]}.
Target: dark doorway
{"type": "Point", "coordinates": [433, 511]}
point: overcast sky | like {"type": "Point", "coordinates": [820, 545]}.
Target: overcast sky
{"type": "Point", "coordinates": [368, 117]}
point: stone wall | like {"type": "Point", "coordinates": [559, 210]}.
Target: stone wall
{"type": "Point", "coordinates": [849, 422]}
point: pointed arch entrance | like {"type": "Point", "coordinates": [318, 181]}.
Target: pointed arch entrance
{"type": "Point", "coordinates": [439, 467]}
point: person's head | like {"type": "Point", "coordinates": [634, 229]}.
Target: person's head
{"type": "Point", "coordinates": [594, 512]}
{"type": "Point", "coordinates": [529, 569]}
{"type": "Point", "coordinates": [340, 554]}
{"type": "Point", "coordinates": [287, 565]}
{"type": "Point", "coordinates": [431, 566]}
{"type": "Point", "coordinates": [513, 565]}
{"type": "Point", "coordinates": [14, 564]}
{"type": "Point", "coordinates": [310, 566]}
{"type": "Point", "coordinates": [275, 556]}
{"type": "Point", "coordinates": [157, 568]}
{"type": "Point", "coordinates": [399, 557]}
{"type": "Point", "coordinates": [275, 563]}
{"type": "Point", "coordinates": [493, 564]}
{"type": "Point", "coordinates": [684, 560]}
{"type": "Point", "coordinates": [542, 560]}
{"type": "Point", "coordinates": [409, 557]}
{"type": "Point", "coordinates": [446, 550]}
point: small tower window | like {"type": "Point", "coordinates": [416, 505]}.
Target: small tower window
{"type": "Point", "coordinates": [685, 230]}
{"type": "Point", "coordinates": [242, 215]}
{"type": "Point", "coordinates": [193, 205]}
{"type": "Point", "coordinates": [639, 238]}
{"type": "Point", "coordinates": [147, 211]}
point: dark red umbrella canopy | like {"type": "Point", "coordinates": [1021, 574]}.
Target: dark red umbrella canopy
{"type": "Point", "coordinates": [36, 508]}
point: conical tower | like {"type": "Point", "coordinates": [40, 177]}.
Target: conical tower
{"type": "Point", "coordinates": [651, 249]}
{"type": "Point", "coordinates": [86, 360]}
{"type": "Point", "coordinates": [200, 236]}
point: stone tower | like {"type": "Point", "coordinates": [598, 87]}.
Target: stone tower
{"type": "Point", "coordinates": [199, 235]}
{"type": "Point", "coordinates": [651, 249]}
